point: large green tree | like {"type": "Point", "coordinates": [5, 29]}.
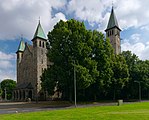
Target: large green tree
{"type": "Point", "coordinates": [90, 54]}
{"type": "Point", "coordinates": [103, 55]}
{"type": "Point", "coordinates": [70, 46]}
{"type": "Point", "coordinates": [7, 86]}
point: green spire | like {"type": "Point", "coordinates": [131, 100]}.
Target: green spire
{"type": "Point", "coordinates": [21, 46]}
{"type": "Point", "coordinates": [112, 21]}
{"type": "Point", "coordinates": [39, 32]}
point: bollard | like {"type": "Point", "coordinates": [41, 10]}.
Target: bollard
{"type": "Point", "coordinates": [120, 102]}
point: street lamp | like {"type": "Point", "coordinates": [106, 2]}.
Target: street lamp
{"type": "Point", "coordinates": [37, 92]}
{"type": "Point", "coordinates": [139, 89]}
{"type": "Point", "coordinates": [5, 94]}
{"type": "Point", "coordinates": [75, 92]}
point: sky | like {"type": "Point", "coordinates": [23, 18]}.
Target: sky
{"type": "Point", "coordinates": [20, 18]}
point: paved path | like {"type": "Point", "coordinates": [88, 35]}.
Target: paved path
{"type": "Point", "coordinates": [19, 107]}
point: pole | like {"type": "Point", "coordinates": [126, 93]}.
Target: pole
{"type": "Point", "coordinates": [75, 93]}
{"type": "Point", "coordinates": [5, 94]}
{"type": "Point", "coordinates": [139, 91]}
{"type": "Point", "coordinates": [37, 92]}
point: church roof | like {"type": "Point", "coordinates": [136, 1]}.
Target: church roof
{"type": "Point", "coordinates": [21, 46]}
{"type": "Point", "coordinates": [112, 21]}
{"type": "Point", "coordinates": [25, 86]}
{"type": "Point", "coordinates": [30, 47]}
{"type": "Point", "coordinates": [39, 32]}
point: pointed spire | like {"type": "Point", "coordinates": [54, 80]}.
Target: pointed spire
{"type": "Point", "coordinates": [112, 21]}
{"type": "Point", "coordinates": [39, 32]}
{"type": "Point", "coordinates": [21, 45]}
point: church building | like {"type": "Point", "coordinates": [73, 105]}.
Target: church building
{"type": "Point", "coordinates": [32, 60]}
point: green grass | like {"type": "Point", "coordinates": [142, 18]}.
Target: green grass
{"type": "Point", "coordinates": [135, 111]}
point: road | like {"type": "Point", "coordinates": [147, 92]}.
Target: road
{"type": "Point", "coordinates": [20, 107]}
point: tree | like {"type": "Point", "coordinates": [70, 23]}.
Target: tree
{"type": "Point", "coordinates": [141, 72]}
{"type": "Point", "coordinates": [8, 85]}
{"type": "Point", "coordinates": [131, 60]}
{"type": "Point", "coordinates": [98, 69]}
{"type": "Point", "coordinates": [70, 46]}
{"type": "Point", "coordinates": [103, 55]}
{"type": "Point", "coordinates": [0, 92]}
{"type": "Point", "coordinates": [120, 76]}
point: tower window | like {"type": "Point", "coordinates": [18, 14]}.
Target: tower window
{"type": "Point", "coordinates": [112, 32]}
{"type": "Point", "coordinates": [43, 44]}
{"type": "Point", "coordinates": [39, 43]}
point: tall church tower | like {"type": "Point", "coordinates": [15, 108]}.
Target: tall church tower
{"type": "Point", "coordinates": [19, 53]}
{"type": "Point", "coordinates": [113, 32]}
{"type": "Point", "coordinates": [39, 55]}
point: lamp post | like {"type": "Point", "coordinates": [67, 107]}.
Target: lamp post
{"type": "Point", "coordinates": [37, 92]}
{"type": "Point", "coordinates": [5, 94]}
{"type": "Point", "coordinates": [139, 90]}
{"type": "Point", "coordinates": [75, 92]}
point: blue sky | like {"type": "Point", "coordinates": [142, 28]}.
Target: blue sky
{"type": "Point", "coordinates": [21, 17]}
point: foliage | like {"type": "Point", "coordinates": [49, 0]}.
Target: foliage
{"type": "Point", "coordinates": [9, 85]}
{"type": "Point", "coordinates": [121, 74]}
{"type": "Point", "coordinates": [70, 46]}
{"type": "Point", "coordinates": [138, 71]}
{"type": "Point", "coordinates": [100, 73]}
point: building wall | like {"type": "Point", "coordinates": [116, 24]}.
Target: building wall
{"type": "Point", "coordinates": [25, 68]}
{"type": "Point", "coordinates": [40, 61]}
{"type": "Point", "coordinates": [114, 36]}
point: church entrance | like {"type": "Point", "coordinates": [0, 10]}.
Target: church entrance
{"type": "Point", "coordinates": [30, 94]}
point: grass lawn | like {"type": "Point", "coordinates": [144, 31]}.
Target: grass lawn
{"type": "Point", "coordinates": [135, 111]}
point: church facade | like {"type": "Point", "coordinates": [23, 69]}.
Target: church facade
{"type": "Point", "coordinates": [32, 60]}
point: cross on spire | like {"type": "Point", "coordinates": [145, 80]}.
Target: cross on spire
{"type": "Point", "coordinates": [39, 19]}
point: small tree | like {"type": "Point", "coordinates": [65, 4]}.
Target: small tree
{"type": "Point", "coordinates": [7, 85]}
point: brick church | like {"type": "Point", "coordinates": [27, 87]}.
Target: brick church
{"type": "Point", "coordinates": [32, 60]}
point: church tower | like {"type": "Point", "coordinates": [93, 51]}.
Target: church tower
{"type": "Point", "coordinates": [19, 53]}
{"type": "Point", "coordinates": [39, 56]}
{"type": "Point", "coordinates": [113, 32]}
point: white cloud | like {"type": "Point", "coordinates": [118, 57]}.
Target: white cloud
{"type": "Point", "coordinates": [135, 38]}
{"type": "Point", "coordinates": [7, 74]}
{"type": "Point", "coordinates": [4, 56]}
{"type": "Point", "coordinates": [7, 66]}
{"type": "Point", "coordinates": [21, 16]}
{"type": "Point", "coordinates": [137, 46]}
{"type": "Point", "coordinates": [59, 16]}
{"type": "Point", "coordinates": [90, 10]}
